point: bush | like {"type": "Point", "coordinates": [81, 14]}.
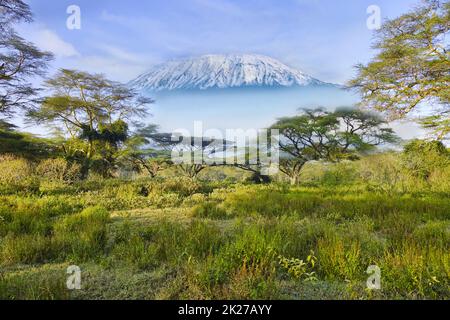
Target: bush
{"type": "Point", "coordinates": [59, 170]}
{"type": "Point", "coordinates": [195, 199]}
{"type": "Point", "coordinates": [383, 173]}
{"type": "Point", "coordinates": [136, 251]}
{"type": "Point", "coordinates": [414, 272]}
{"type": "Point", "coordinates": [339, 259]}
{"type": "Point", "coordinates": [343, 173]}
{"type": "Point", "coordinates": [16, 174]}
{"type": "Point", "coordinates": [421, 157]}
{"type": "Point", "coordinates": [20, 216]}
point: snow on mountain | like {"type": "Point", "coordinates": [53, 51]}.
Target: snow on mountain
{"type": "Point", "coordinates": [222, 71]}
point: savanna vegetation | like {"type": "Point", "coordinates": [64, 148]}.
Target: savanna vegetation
{"type": "Point", "coordinates": [102, 192]}
{"type": "Point", "coordinates": [176, 238]}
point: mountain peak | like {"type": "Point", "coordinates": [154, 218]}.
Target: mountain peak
{"type": "Point", "coordinates": [222, 71]}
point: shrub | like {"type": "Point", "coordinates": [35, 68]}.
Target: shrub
{"type": "Point", "coordinates": [413, 272]}
{"type": "Point", "coordinates": [382, 173]}
{"type": "Point", "coordinates": [16, 174]}
{"type": "Point", "coordinates": [252, 250]}
{"type": "Point", "coordinates": [58, 170]}
{"type": "Point", "coordinates": [343, 173]}
{"type": "Point", "coordinates": [421, 157]}
{"type": "Point", "coordinates": [136, 251]}
{"type": "Point", "coordinates": [182, 186]}
{"type": "Point", "coordinates": [195, 199]}
{"type": "Point", "coordinates": [433, 233]}
{"type": "Point", "coordinates": [300, 269]}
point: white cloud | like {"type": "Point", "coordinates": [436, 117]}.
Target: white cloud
{"type": "Point", "coordinates": [115, 62]}
{"type": "Point", "coordinates": [120, 53]}
{"type": "Point", "coordinates": [113, 68]}
{"type": "Point", "coordinates": [48, 40]}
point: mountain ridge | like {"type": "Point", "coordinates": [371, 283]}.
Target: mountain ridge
{"type": "Point", "coordinates": [222, 71]}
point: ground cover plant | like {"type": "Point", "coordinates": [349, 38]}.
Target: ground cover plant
{"type": "Point", "coordinates": [178, 238]}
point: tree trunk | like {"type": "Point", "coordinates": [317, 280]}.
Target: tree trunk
{"type": "Point", "coordinates": [294, 180]}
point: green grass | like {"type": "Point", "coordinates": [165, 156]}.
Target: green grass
{"type": "Point", "coordinates": [177, 239]}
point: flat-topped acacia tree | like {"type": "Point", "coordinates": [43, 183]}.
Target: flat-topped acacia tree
{"type": "Point", "coordinates": [329, 136]}
{"type": "Point", "coordinates": [93, 113]}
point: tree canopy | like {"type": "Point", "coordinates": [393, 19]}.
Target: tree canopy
{"type": "Point", "coordinates": [411, 67]}
{"type": "Point", "coordinates": [318, 134]}
{"type": "Point", "coordinates": [19, 60]}
{"type": "Point", "coordinates": [92, 112]}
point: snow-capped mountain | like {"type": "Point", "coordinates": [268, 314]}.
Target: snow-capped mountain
{"type": "Point", "coordinates": [222, 71]}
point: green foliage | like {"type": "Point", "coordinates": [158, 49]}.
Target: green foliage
{"type": "Point", "coordinates": [411, 67]}
{"type": "Point", "coordinates": [299, 268]}
{"type": "Point", "coordinates": [171, 237]}
{"type": "Point", "coordinates": [47, 282]}
{"type": "Point", "coordinates": [342, 173]}
{"type": "Point", "coordinates": [385, 173]}
{"type": "Point", "coordinates": [329, 136]}
{"type": "Point", "coordinates": [209, 210]}
{"type": "Point", "coordinates": [13, 169]}
{"type": "Point", "coordinates": [82, 236]}
{"type": "Point", "coordinates": [20, 175]}
{"type": "Point", "coordinates": [16, 174]}
{"type": "Point", "coordinates": [48, 229]}
{"type": "Point", "coordinates": [219, 240]}
{"type": "Point", "coordinates": [339, 259]}
{"type": "Point", "coordinates": [421, 157]}
{"type": "Point", "coordinates": [19, 60]}
{"type": "Point", "coordinates": [94, 112]}
{"type": "Point", "coordinates": [58, 170]}
{"type": "Point", "coordinates": [24, 145]}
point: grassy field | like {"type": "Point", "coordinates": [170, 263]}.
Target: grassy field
{"type": "Point", "coordinates": [102, 202]}
{"type": "Point", "coordinates": [174, 238]}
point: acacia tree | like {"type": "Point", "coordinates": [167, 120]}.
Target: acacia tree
{"type": "Point", "coordinates": [19, 60]}
{"type": "Point", "coordinates": [93, 113]}
{"type": "Point", "coordinates": [330, 136]}
{"type": "Point", "coordinates": [411, 67]}
{"type": "Point", "coordinates": [147, 150]}
{"type": "Point", "coordinates": [256, 161]}
{"type": "Point", "coordinates": [192, 155]}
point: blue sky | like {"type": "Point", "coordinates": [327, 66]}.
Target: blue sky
{"type": "Point", "coordinates": [324, 38]}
